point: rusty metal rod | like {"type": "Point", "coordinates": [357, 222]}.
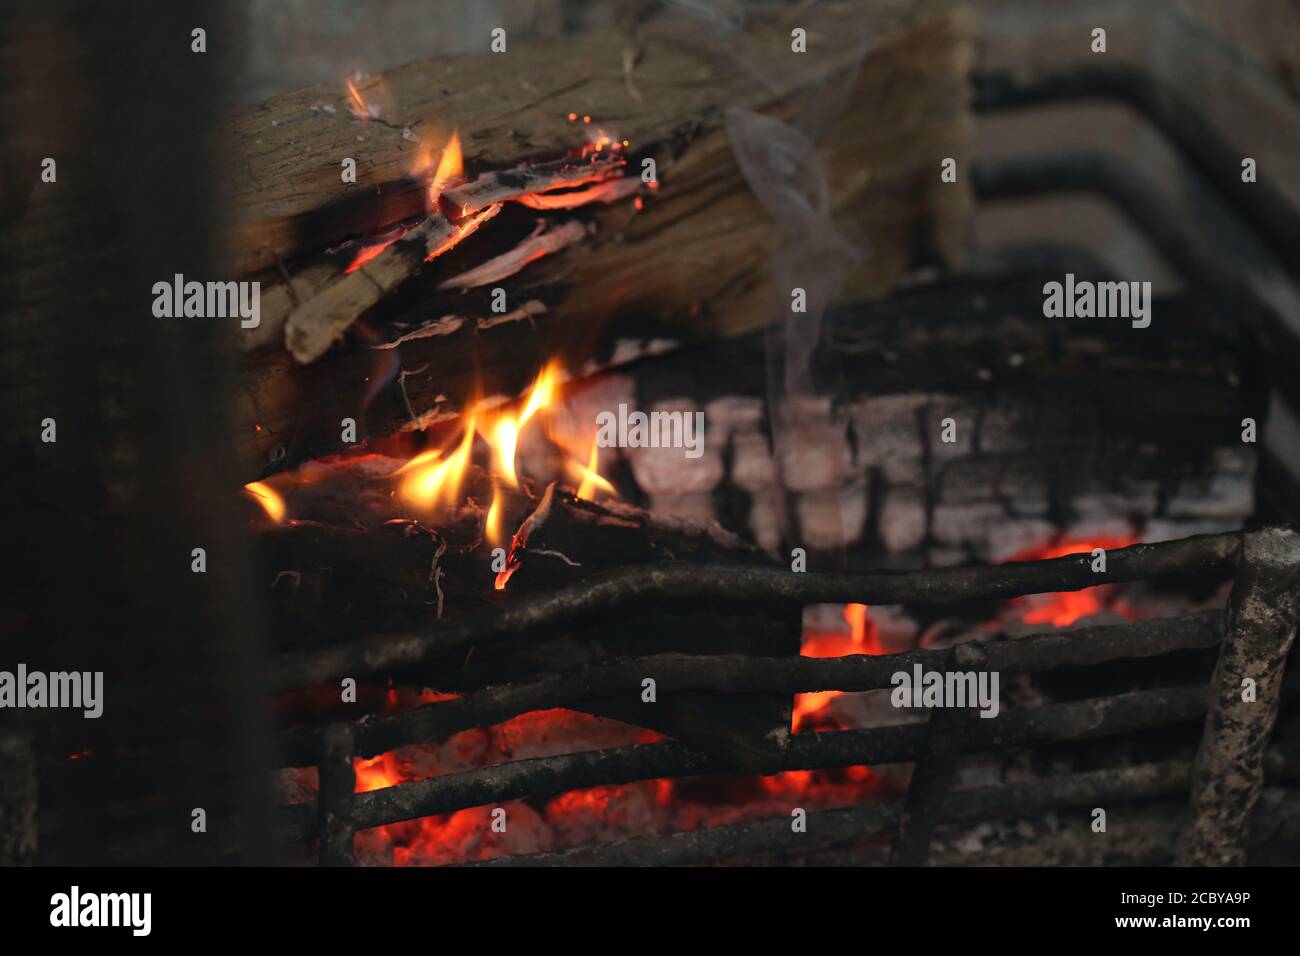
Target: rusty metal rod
{"type": "Point", "coordinates": [548, 776]}
{"type": "Point", "coordinates": [622, 587]}
{"type": "Point", "coordinates": [734, 673]}
{"type": "Point", "coordinates": [1263, 610]}
{"type": "Point", "coordinates": [766, 839]}
{"type": "Point", "coordinates": [338, 779]}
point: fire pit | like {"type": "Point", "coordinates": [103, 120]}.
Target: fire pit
{"type": "Point", "coordinates": [641, 465]}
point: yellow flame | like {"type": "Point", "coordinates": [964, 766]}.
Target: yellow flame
{"type": "Point", "coordinates": [451, 166]}
{"type": "Point", "coordinates": [452, 163]}
{"type": "Point", "coordinates": [492, 526]}
{"type": "Point", "coordinates": [543, 392]}
{"type": "Point", "coordinates": [360, 108]}
{"type": "Point", "coordinates": [506, 431]}
{"type": "Point", "coordinates": [591, 479]}
{"type": "Point", "coordinates": [267, 497]}
{"type": "Point", "coordinates": [505, 437]}
{"type": "Point", "coordinates": [431, 480]}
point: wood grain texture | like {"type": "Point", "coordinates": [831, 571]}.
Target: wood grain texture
{"type": "Point", "coordinates": [692, 265]}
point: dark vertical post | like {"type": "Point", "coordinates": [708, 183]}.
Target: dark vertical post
{"type": "Point", "coordinates": [934, 771]}
{"type": "Point", "coordinates": [338, 780]}
{"type": "Point", "coordinates": [1227, 775]}
{"type": "Point", "coordinates": [17, 799]}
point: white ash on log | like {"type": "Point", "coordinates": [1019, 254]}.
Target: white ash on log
{"type": "Point", "coordinates": [734, 414]}
{"type": "Point", "coordinates": [902, 519]}
{"type": "Point", "coordinates": [1109, 468]}
{"type": "Point", "coordinates": [768, 519]}
{"type": "Point", "coordinates": [1014, 536]}
{"type": "Point", "coordinates": [753, 467]}
{"type": "Point", "coordinates": [887, 435]}
{"type": "Point", "coordinates": [833, 518]}
{"type": "Point", "coordinates": [813, 446]}
{"type": "Point", "coordinates": [678, 483]}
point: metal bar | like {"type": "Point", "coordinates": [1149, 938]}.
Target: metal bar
{"type": "Point", "coordinates": [734, 673]}
{"type": "Point", "coordinates": [18, 798]}
{"type": "Point", "coordinates": [547, 776]}
{"type": "Point", "coordinates": [767, 838]}
{"type": "Point", "coordinates": [934, 771]}
{"type": "Point", "coordinates": [1261, 623]}
{"type": "Point", "coordinates": [338, 780]}
{"type": "Point", "coordinates": [606, 592]}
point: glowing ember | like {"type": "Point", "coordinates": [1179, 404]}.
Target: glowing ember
{"type": "Point", "coordinates": [1062, 608]}
{"type": "Point", "coordinates": [812, 709]}
{"type": "Point", "coordinates": [463, 231]}
{"type": "Point", "coordinates": [267, 497]}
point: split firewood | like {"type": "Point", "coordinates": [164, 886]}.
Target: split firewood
{"type": "Point", "coordinates": [690, 245]}
{"type": "Point", "coordinates": [541, 243]}
{"type": "Point", "coordinates": [519, 542]}
{"type": "Point", "coordinates": [529, 310]}
{"type": "Point", "coordinates": [443, 326]}
{"type": "Point", "coordinates": [518, 184]}
{"type": "Point", "coordinates": [317, 323]}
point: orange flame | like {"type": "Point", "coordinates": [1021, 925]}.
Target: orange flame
{"type": "Point", "coordinates": [357, 103]}
{"type": "Point", "coordinates": [430, 479]}
{"type": "Point", "coordinates": [506, 431]}
{"type": "Point", "coordinates": [452, 163]}
{"type": "Point", "coordinates": [591, 479]}
{"type": "Point", "coordinates": [268, 498]}
{"type": "Point", "coordinates": [492, 526]}
{"type": "Point", "coordinates": [859, 640]}
{"type": "Point", "coordinates": [1063, 608]}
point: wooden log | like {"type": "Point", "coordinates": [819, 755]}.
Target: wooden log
{"type": "Point", "coordinates": [690, 265]}
{"type": "Point", "coordinates": [1261, 625]}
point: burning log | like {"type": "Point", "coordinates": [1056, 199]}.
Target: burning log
{"type": "Point", "coordinates": [315, 325]}
{"type": "Point", "coordinates": [544, 242]}
{"type": "Point", "coordinates": [660, 258]}
{"type": "Point", "coordinates": [524, 183]}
